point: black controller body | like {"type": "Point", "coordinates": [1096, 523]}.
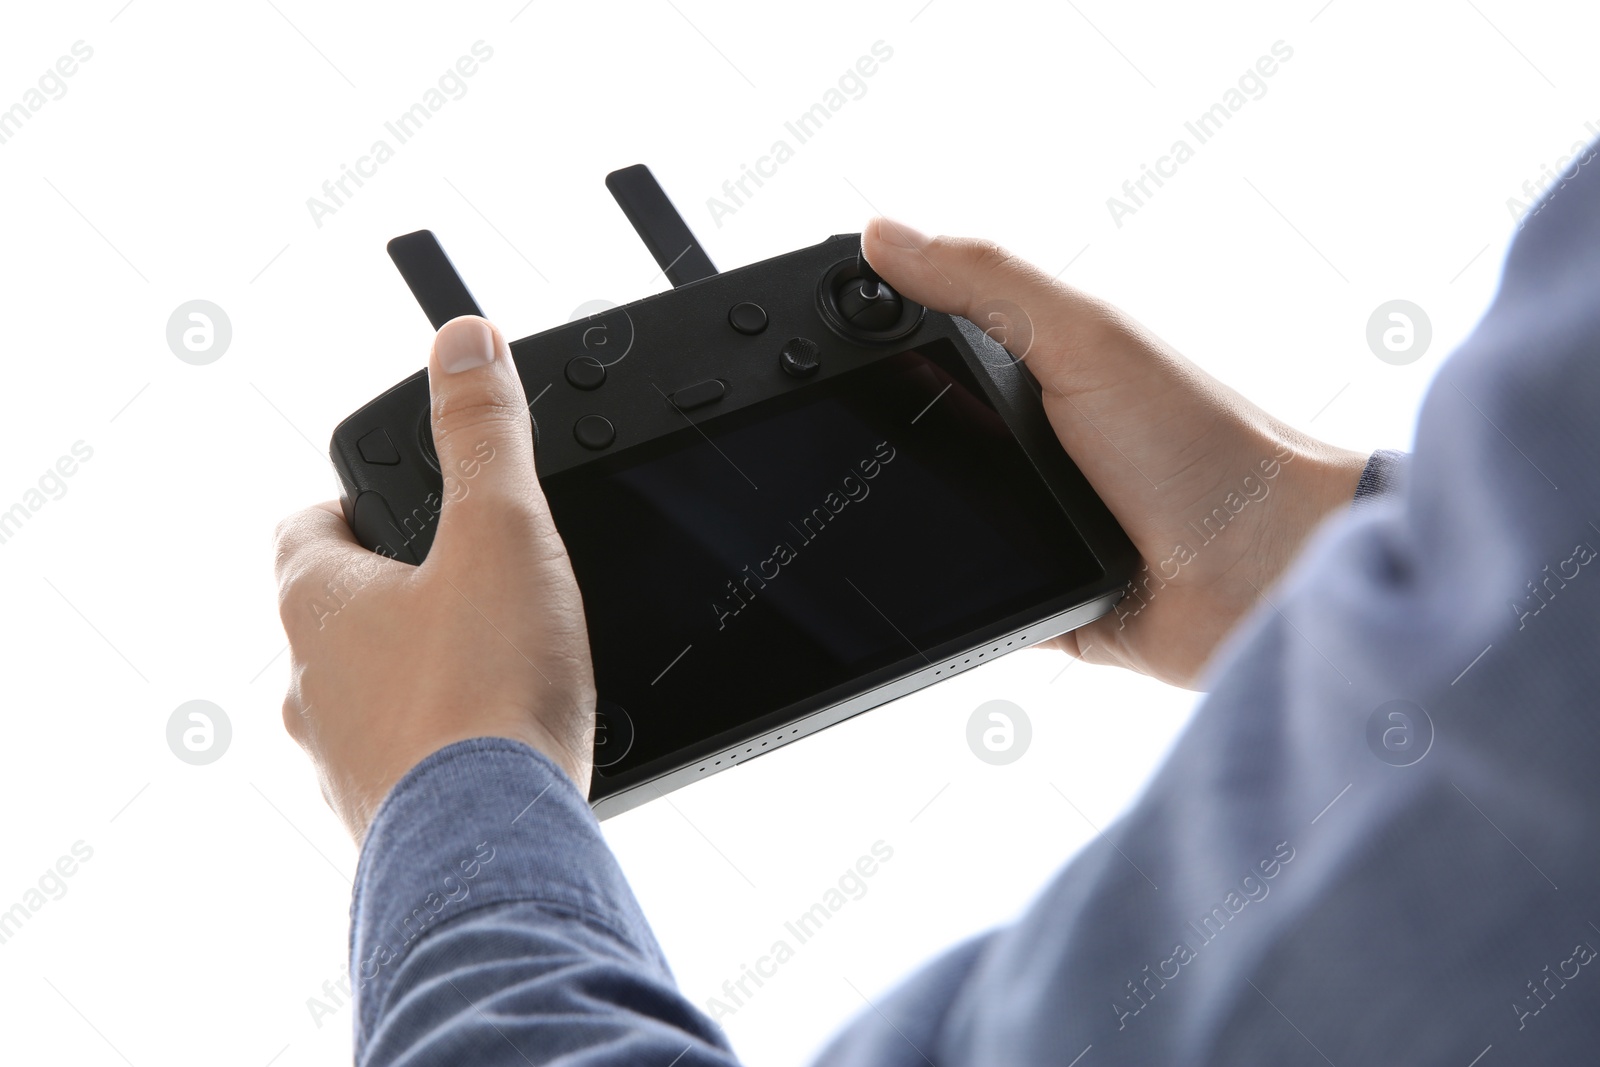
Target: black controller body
{"type": "Point", "coordinates": [777, 519]}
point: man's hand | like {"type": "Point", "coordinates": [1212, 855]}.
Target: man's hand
{"type": "Point", "coordinates": [1217, 495]}
{"type": "Point", "coordinates": [485, 639]}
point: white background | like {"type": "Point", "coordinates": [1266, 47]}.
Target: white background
{"type": "Point", "coordinates": [177, 166]}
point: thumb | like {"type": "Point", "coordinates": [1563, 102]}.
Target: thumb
{"type": "Point", "coordinates": [1036, 318]}
{"type": "Point", "coordinates": [483, 436]}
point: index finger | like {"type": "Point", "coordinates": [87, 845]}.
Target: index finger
{"type": "Point", "coordinates": [312, 546]}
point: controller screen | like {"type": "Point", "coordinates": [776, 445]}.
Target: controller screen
{"type": "Point", "coordinates": [786, 549]}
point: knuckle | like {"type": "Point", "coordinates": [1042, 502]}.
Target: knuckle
{"type": "Point", "coordinates": [281, 531]}
{"type": "Point", "coordinates": [288, 616]}
{"type": "Point", "coordinates": [291, 586]}
{"type": "Point", "coordinates": [299, 595]}
{"type": "Point", "coordinates": [493, 523]}
{"type": "Point", "coordinates": [294, 723]}
{"type": "Point", "coordinates": [486, 412]}
{"type": "Point", "coordinates": [1107, 328]}
{"type": "Point", "coordinates": [986, 258]}
{"type": "Point", "coordinates": [991, 258]}
{"type": "Point", "coordinates": [299, 541]}
{"type": "Point", "coordinates": [285, 541]}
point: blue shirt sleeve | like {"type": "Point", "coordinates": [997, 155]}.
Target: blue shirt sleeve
{"type": "Point", "coordinates": [491, 924]}
{"type": "Point", "coordinates": [1381, 476]}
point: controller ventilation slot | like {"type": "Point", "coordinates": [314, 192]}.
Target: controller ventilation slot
{"type": "Point", "coordinates": [754, 748]}
{"type": "Point", "coordinates": [963, 662]}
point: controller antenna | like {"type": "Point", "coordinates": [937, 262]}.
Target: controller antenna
{"type": "Point", "coordinates": [431, 277]}
{"type": "Point", "coordinates": [659, 225]}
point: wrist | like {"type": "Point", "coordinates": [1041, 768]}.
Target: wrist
{"type": "Point", "coordinates": [358, 798]}
{"type": "Point", "coordinates": [1338, 474]}
{"type": "Point", "coordinates": [1320, 480]}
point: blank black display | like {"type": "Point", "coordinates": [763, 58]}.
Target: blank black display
{"type": "Point", "coordinates": [834, 574]}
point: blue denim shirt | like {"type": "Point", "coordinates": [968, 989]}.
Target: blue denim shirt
{"type": "Point", "coordinates": [1378, 841]}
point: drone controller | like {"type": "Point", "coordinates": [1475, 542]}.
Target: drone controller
{"type": "Point", "coordinates": [789, 494]}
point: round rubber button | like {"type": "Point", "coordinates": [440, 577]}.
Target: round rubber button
{"type": "Point", "coordinates": [748, 318]}
{"type": "Point", "coordinates": [586, 372]}
{"type": "Point", "coordinates": [594, 431]}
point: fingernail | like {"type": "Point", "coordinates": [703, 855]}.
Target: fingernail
{"type": "Point", "coordinates": [900, 235]}
{"type": "Point", "coordinates": [464, 343]}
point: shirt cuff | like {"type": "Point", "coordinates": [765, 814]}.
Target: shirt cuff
{"type": "Point", "coordinates": [478, 823]}
{"type": "Point", "coordinates": [1381, 477]}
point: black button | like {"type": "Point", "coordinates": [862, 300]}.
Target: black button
{"type": "Point", "coordinates": [613, 733]}
{"type": "Point", "coordinates": [595, 431]}
{"type": "Point", "coordinates": [693, 396]}
{"type": "Point", "coordinates": [748, 318]}
{"type": "Point", "coordinates": [376, 447]}
{"type": "Point", "coordinates": [586, 372]}
{"type": "Point", "coordinates": [799, 357]}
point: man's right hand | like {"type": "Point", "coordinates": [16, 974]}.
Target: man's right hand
{"type": "Point", "coordinates": [1170, 449]}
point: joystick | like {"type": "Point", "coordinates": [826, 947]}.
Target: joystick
{"type": "Point", "coordinates": [866, 302]}
{"type": "Point", "coordinates": [859, 306]}
{"type": "Point", "coordinates": [789, 494]}
{"type": "Point", "coordinates": [869, 305]}
{"type": "Point", "coordinates": [870, 279]}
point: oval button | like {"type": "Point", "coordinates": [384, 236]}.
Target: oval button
{"type": "Point", "coordinates": [694, 396]}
